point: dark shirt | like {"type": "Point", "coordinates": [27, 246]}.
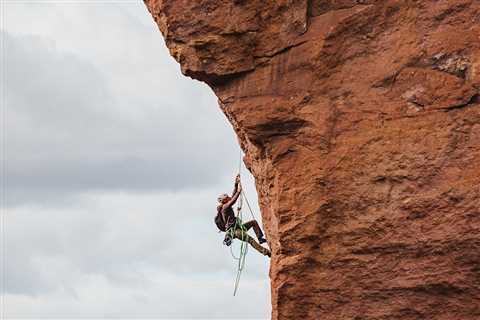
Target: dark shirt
{"type": "Point", "coordinates": [229, 217]}
{"type": "Point", "coordinates": [228, 214]}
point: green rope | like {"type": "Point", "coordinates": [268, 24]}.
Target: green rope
{"type": "Point", "coordinates": [241, 260]}
{"type": "Point", "coordinates": [243, 243]}
{"type": "Point", "coordinates": [244, 234]}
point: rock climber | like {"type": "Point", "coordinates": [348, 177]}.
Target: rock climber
{"type": "Point", "coordinates": [232, 226]}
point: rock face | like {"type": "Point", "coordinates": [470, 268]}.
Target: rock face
{"type": "Point", "coordinates": [360, 121]}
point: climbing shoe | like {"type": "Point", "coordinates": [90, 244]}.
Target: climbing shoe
{"type": "Point", "coordinates": [262, 240]}
{"type": "Point", "coordinates": [228, 240]}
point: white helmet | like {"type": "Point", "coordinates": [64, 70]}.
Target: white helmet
{"type": "Point", "coordinates": [222, 197]}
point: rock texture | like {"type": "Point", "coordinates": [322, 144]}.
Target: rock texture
{"type": "Point", "coordinates": [360, 121]}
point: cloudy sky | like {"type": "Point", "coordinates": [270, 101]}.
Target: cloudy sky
{"type": "Point", "coordinates": [112, 163]}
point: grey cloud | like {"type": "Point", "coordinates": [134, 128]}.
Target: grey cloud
{"type": "Point", "coordinates": [65, 132]}
{"type": "Point", "coordinates": [114, 162]}
{"type": "Point", "coordinates": [127, 240]}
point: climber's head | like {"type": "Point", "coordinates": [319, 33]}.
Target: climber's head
{"type": "Point", "coordinates": [223, 198]}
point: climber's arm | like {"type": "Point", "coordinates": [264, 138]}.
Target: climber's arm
{"type": "Point", "coordinates": [234, 197]}
{"type": "Point", "coordinates": [235, 187]}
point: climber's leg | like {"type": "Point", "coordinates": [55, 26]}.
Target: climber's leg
{"type": "Point", "coordinates": [256, 228]}
{"type": "Point", "coordinates": [243, 235]}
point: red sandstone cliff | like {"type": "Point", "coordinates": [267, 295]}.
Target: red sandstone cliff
{"type": "Point", "coordinates": [360, 121]}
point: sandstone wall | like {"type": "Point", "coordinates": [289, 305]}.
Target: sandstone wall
{"type": "Point", "coordinates": [360, 121]}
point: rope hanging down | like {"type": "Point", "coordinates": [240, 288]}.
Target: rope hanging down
{"type": "Point", "coordinates": [243, 245]}
{"type": "Point", "coordinates": [241, 259]}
